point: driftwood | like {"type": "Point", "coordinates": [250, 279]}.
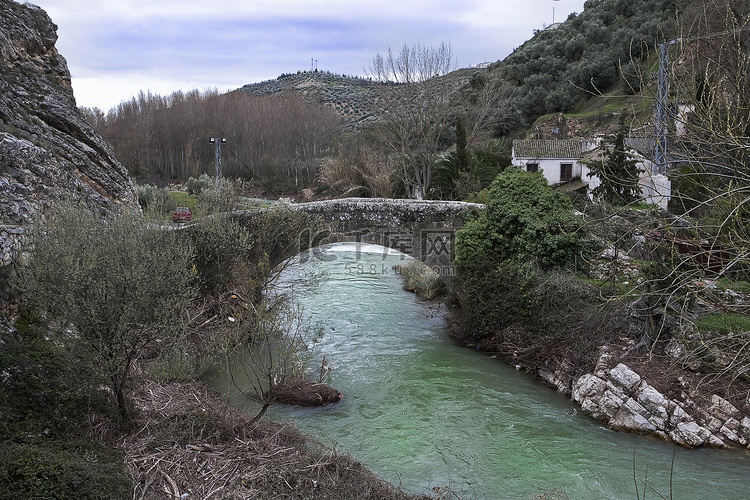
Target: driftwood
{"type": "Point", "coordinates": [304, 393]}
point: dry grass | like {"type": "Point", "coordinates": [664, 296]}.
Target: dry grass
{"type": "Point", "coordinates": [187, 441]}
{"type": "Point", "coordinates": [422, 280]}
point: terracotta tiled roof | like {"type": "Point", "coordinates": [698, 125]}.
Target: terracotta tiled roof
{"type": "Point", "coordinates": [539, 149]}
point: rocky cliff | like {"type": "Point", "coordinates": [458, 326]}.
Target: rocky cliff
{"type": "Point", "coordinates": [48, 152]}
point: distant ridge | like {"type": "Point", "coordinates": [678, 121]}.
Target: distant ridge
{"type": "Point", "coordinates": [357, 100]}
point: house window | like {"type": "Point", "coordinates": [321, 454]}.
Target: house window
{"type": "Point", "coordinates": [532, 167]}
{"type": "Point", "coordinates": [566, 172]}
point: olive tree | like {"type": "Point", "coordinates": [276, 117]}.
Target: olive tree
{"type": "Point", "coordinates": [117, 286]}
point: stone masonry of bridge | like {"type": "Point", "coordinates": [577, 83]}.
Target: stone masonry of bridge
{"type": "Point", "coordinates": [425, 230]}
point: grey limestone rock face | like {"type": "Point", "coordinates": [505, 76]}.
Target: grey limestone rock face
{"type": "Point", "coordinates": [623, 377]}
{"type": "Point", "coordinates": [626, 402]}
{"type": "Point", "coordinates": [48, 151]}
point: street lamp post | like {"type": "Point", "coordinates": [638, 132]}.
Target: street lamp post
{"type": "Point", "coordinates": [218, 141]}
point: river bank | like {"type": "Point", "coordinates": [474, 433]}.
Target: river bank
{"type": "Point", "coordinates": [648, 393]}
{"type": "Point", "coordinates": [188, 443]}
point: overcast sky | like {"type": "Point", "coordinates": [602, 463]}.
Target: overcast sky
{"type": "Point", "coordinates": [117, 48]}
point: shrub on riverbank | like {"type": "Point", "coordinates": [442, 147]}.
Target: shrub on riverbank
{"type": "Point", "coordinates": [517, 264]}
{"type": "Point", "coordinates": [49, 399]}
{"type": "Point", "coordinates": [106, 298]}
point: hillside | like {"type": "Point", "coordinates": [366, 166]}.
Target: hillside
{"type": "Point", "coordinates": [558, 70]}
{"type": "Point", "coordinates": [607, 46]}
{"type": "Point", "coordinates": [356, 100]}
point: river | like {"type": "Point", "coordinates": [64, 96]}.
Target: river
{"type": "Point", "coordinates": [422, 412]}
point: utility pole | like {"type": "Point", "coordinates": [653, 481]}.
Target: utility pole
{"type": "Point", "coordinates": [553, 11]}
{"type": "Point", "coordinates": [218, 141]}
{"type": "Point", "coordinates": [662, 110]}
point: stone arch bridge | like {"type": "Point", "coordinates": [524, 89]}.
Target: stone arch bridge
{"type": "Point", "coordinates": [425, 230]}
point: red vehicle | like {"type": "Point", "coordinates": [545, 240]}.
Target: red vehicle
{"type": "Point", "coordinates": [182, 214]}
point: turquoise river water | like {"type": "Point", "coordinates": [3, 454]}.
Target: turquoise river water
{"type": "Point", "coordinates": [422, 412]}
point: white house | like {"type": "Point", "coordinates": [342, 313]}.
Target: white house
{"type": "Point", "coordinates": [559, 160]}
{"type": "Point", "coordinates": [562, 160]}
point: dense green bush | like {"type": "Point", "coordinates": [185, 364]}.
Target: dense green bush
{"type": "Point", "coordinates": [197, 186]}
{"type": "Point", "coordinates": [516, 264]}
{"type": "Point", "coordinates": [214, 198]}
{"type": "Point", "coordinates": [47, 386]}
{"type": "Point", "coordinates": [484, 161]}
{"type": "Point", "coordinates": [156, 200]}
{"type": "Point", "coordinates": [47, 393]}
{"type": "Point", "coordinates": [232, 249]}
{"type": "Point", "coordinates": [526, 222]}
{"type": "Point", "coordinates": [61, 470]}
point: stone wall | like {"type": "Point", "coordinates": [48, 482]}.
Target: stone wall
{"type": "Point", "coordinates": [621, 398]}
{"type": "Point", "coordinates": [423, 229]}
{"type": "Point", "coordinates": [10, 243]}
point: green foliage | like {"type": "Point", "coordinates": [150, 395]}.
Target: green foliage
{"type": "Point", "coordinates": [47, 386]}
{"type": "Point", "coordinates": [221, 244]}
{"type": "Point", "coordinates": [493, 297]}
{"type": "Point", "coordinates": [197, 186]}
{"type": "Point", "coordinates": [514, 262]}
{"type": "Point", "coordinates": [122, 283]}
{"type": "Point", "coordinates": [281, 233]}
{"type": "Point", "coordinates": [243, 249]}
{"type": "Point", "coordinates": [525, 221]}
{"type": "Point", "coordinates": [215, 198]}
{"type": "Point", "coordinates": [159, 204]}
{"type": "Point", "coordinates": [61, 470]}
{"type": "Point", "coordinates": [558, 68]}
{"type": "Point", "coordinates": [152, 198]}
{"type": "Point", "coordinates": [484, 162]}
{"type": "Point", "coordinates": [182, 199]}
{"type": "Point", "coordinates": [47, 392]}
{"type": "Point", "coordinates": [462, 158]}
{"type": "Point", "coordinates": [724, 323]}
{"type": "Point", "coordinates": [692, 187]}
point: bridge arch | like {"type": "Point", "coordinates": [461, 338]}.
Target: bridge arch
{"type": "Point", "coordinates": [425, 230]}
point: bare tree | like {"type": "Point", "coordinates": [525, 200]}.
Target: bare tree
{"type": "Point", "coordinates": [266, 349]}
{"type": "Point", "coordinates": [416, 97]}
{"type": "Point", "coordinates": [704, 95]}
